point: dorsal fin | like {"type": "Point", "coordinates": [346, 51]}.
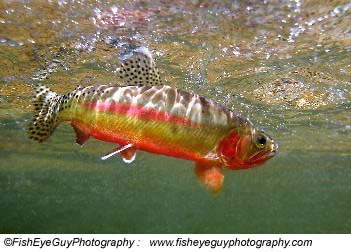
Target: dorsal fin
{"type": "Point", "coordinates": [138, 68]}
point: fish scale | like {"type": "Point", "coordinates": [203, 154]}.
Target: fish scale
{"type": "Point", "coordinates": [155, 118]}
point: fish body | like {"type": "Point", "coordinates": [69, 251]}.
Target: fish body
{"type": "Point", "coordinates": [158, 119]}
{"type": "Point", "coordinates": [155, 118]}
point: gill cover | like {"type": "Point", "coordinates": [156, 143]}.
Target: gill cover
{"type": "Point", "coordinates": [246, 148]}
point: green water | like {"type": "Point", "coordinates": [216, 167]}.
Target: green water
{"type": "Point", "coordinates": [284, 64]}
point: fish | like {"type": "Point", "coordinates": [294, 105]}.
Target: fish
{"type": "Point", "coordinates": [143, 114]}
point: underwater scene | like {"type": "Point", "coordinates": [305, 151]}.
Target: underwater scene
{"type": "Point", "coordinates": [284, 65]}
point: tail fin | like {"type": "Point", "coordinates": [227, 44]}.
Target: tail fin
{"type": "Point", "coordinates": [46, 105]}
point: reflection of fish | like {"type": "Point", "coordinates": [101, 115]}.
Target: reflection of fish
{"type": "Point", "coordinates": [160, 119]}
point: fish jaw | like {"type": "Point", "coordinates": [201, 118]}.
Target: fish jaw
{"type": "Point", "coordinates": [262, 158]}
{"type": "Point", "coordinates": [240, 151]}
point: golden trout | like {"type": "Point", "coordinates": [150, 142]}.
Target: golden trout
{"type": "Point", "coordinates": [145, 115]}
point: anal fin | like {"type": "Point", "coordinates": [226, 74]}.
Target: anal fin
{"type": "Point", "coordinates": [210, 175]}
{"type": "Point", "coordinates": [81, 136]}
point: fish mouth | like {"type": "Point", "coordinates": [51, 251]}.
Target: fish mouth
{"type": "Point", "coordinates": [264, 154]}
{"type": "Point", "coordinates": [261, 157]}
{"type": "Point", "coordinates": [241, 161]}
{"type": "Point", "coordinates": [255, 160]}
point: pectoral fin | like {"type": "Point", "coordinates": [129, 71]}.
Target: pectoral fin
{"type": "Point", "coordinates": [211, 175]}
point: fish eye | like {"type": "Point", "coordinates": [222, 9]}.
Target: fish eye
{"type": "Point", "coordinates": [260, 141]}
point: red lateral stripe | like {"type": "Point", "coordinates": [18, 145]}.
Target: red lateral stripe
{"type": "Point", "coordinates": [140, 112]}
{"type": "Point", "coordinates": [144, 143]}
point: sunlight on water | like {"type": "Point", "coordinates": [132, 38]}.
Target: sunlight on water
{"type": "Point", "coordinates": [286, 65]}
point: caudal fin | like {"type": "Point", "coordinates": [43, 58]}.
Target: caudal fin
{"type": "Point", "coordinates": [138, 68]}
{"type": "Point", "coordinates": [46, 105]}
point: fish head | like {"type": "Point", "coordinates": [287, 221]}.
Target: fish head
{"type": "Point", "coordinates": [243, 149]}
